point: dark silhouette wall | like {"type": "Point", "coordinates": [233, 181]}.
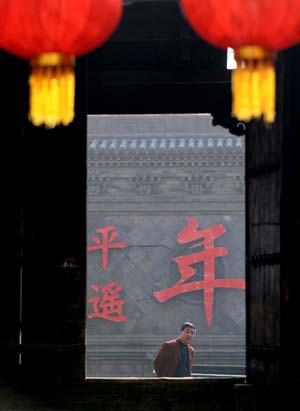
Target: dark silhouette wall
{"type": "Point", "coordinates": [44, 252]}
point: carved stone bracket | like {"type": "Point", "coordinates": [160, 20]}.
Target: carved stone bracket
{"type": "Point", "coordinates": [197, 184]}
{"type": "Point", "coordinates": [239, 183]}
{"type": "Point", "coordinates": [145, 184]}
{"type": "Point", "coordinates": [97, 184]}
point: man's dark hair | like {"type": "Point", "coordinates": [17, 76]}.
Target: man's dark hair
{"type": "Point", "coordinates": [187, 324]}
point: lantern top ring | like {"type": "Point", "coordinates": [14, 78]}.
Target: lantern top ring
{"type": "Point", "coordinates": [52, 59]}
{"type": "Point", "coordinates": [253, 53]}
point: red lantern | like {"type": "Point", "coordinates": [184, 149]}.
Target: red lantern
{"type": "Point", "coordinates": [255, 29]}
{"type": "Point", "coordinates": [51, 33]}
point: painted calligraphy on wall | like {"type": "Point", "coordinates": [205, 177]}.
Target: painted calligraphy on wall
{"type": "Point", "coordinates": [207, 255]}
{"type": "Point", "coordinates": [104, 241]}
{"type": "Point", "coordinates": [109, 305]}
{"type": "Point", "coordinates": [201, 251]}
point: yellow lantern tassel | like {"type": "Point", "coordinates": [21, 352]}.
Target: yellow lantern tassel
{"type": "Point", "coordinates": [253, 84]}
{"type": "Point", "coordinates": [268, 92]}
{"type": "Point", "coordinates": [52, 90]}
{"type": "Point", "coordinates": [254, 91]}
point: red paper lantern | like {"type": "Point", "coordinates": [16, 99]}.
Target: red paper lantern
{"type": "Point", "coordinates": [255, 29]}
{"type": "Point", "coordinates": [51, 33]}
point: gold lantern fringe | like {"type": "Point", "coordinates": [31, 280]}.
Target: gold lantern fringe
{"type": "Point", "coordinates": [253, 84]}
{"type": "Point", "coordinates": [52, 90]}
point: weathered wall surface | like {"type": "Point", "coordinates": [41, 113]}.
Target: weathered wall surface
{"type": "Point", "coordinates": [150, 178]}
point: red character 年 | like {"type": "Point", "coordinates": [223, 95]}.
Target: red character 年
{"type": "Point", "coordinates": [207, 255]}
{"type": "Point", "coordinates": [105, 242]}
{"type": "Point", "coordinates": [110, 306]}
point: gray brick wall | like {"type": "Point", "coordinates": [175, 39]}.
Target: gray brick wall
{"type": "Point", "coordinates": [146, 176]}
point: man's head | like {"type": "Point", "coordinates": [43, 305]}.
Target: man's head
{"type": "Point", "coordinates": [187, 333]}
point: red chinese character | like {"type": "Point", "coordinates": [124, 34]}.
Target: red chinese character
{"type": "Point", "coordinates": [106, 242]}
{"type": "Point", "coordinates": [207, 255]}
{"type": "Point", "coordinates": [110, 305]}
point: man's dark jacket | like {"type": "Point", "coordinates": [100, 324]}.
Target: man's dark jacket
{"type": "Point", "coordinates": [168, 359]}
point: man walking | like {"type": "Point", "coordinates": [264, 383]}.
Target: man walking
{"type": "Point", "coordinates": [175, 357]}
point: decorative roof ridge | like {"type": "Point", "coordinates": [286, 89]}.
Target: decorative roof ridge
{"type": "Point", "coordinates": [166, 143]}
{"type": "Point", "coordinates": [173, 134]}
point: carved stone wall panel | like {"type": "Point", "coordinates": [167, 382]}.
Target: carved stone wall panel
{"type": "Point", "coordinates": [146, 176]}
{"type": "Point", "coordinates": [146, 265]}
